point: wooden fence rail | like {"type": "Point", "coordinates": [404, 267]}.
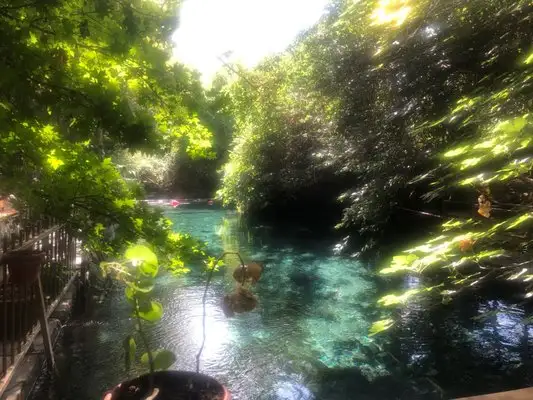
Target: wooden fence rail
{"type": "Point", "coordinates": [20, 305]}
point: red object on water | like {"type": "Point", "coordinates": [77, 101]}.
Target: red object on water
{"type": "Point", "coordinates": [174, 203]}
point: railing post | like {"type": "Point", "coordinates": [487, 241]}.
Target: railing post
{"type": "Point", "coordinates": [45, 332]}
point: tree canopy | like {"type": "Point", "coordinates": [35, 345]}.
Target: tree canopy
{"type": "Point", "coordinates": [405, 102]}
{"type": "Point", "coordinates": [363, 94]}
{"type": "Point", "coordinates": [78, 81]}
{"type": "Point", "coordinates": [382, 104]}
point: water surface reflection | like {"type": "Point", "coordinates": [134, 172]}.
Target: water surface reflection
{"type": "Point", "coordinates": [308, 339]}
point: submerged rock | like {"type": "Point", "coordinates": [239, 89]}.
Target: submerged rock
{"type": "Point", "coordinates": [301, 278]}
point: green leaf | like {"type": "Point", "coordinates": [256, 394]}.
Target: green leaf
{"type": "Point", "coordinates": [148, 269]}
{"type": "Point", "coordinates": [521, 219]}
{"type": "Point", "coordinates": [142, 255]}
{"type": "Point", "coordinates": [130, 293]}
{"type": "Point", "coordinates": [151, 311]}
{"type": "Point", "coordinates": [130, 348]}
{"type": "Point", "coordinates": [456, 152]}
{"type": "Point", "coordinates": [55, 162]}
{"type": "Point", "coordinates": [392, 299]}
{"type": "Point", "coordinates": [470, 162]}
{"type": "Point", "coordinates": [400, 263]}
{"type": "Point", "coordinates": [144, 286]}
{"type": "Point", "coordinates": [380, 326]}
{"type": "Point", "coordinates": [145, 359]}
{"type": "Point", "coordinates": [163, 359]}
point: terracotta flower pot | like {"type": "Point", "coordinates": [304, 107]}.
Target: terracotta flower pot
{"type": "Point", "coordinates": [23, 265]}
{"type": "Point", "coordinates": [170, 385]}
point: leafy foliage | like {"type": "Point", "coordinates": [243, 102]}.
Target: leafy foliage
{"type": "Point", "coordinates": [89, 67]}
{"type": "Point", "coordinates": [81, 80]}
{"type": "Point", "coordinates": [491, 242]}
{"type": "Point", "coordinates": [364, 94]}
{"type": "Point", "coordinates": [154, 172]}
{"type": "Point", "coordinates": [278, 124]}
{"type": "Point", "coordinates": [405, 101]}
{"type": "Point", "coordinates": [138, 270]}
{"type": "Point", "coordinates": [495, 244]}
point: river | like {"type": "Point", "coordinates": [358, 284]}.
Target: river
{"type": "Point", "coordinates": [308, 338]}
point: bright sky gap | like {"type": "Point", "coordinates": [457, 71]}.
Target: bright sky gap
{"type": "Point", "coordinates": [249, 29]}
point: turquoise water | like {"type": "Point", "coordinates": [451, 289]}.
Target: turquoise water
{"type": "Point", "coordinates": [296, 331]}
{"type": "Point", "coordinates": [308, 338]}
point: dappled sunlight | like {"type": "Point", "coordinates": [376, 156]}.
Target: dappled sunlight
{"type": "Point", "coordinates": [391, 12]}
{"type": "Point", "coordinates": [370, 160]}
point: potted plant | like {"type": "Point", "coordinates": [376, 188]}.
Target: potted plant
{"type": "Point", "coordinates": [23, 265]}
{"type": "Point", "coordinates": [138, 271]}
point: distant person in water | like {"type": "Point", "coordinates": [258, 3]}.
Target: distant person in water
{"type": "Point", "coordinates": [210, 202]}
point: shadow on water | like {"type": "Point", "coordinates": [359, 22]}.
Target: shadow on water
{"type": "Point", "coordinates": [480, 344]}
{"type": "Point", "coordinates": [308, 339]}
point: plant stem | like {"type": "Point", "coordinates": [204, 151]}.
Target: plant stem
{"type": "Point", "coordinates": [204, 301]}
{"type": "Point", "coordinates": [146, 346]}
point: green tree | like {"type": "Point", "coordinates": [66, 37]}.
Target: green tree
{"type": "Point", "coordinates": [280, 124]}
{"type": "Point", "coordinates": [198, 176]}
{"type": "Point", "coordinates": [372, 81]}
{"type": "Point", "coordinates": [493, 171]}
{"type": "Point", "coordinates": [79, 80]}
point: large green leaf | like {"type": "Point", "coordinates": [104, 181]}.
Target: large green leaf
{"type": "Point", "coordinates": [151, 311]}
{"type": "Point", "coordinates": [144, 258]}
{"type": "Point", "coordinates": [142, 296]}
{"type": "Point", "coordinates": [141, 253]}
{"type": "Point", "coordinates": [149, 269]}
{"type": "Point", "coordinates": [130, 293]}
{"type": "Point", "coordinates": [143, 287]}
{"type": "Point", "coordinates": [163, 359]}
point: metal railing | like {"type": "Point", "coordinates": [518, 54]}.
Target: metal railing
{"type": "Point", "coordinates": [23, 307]}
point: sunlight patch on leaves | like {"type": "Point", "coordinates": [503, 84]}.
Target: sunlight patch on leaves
{"type": "Point", "coordinates": [55, 162]}
{"type": "Point", "coordinates": [456, 152]}
{"type": "Point", "coordinates": [380, 326]}
{"type": "Point", "coordinates": [392, 299]}
{"type": "Point", "coordinates": [489, 254]}
{"type": "Point", "coordinates": [519, 221]}
{"type": "Point", "coordinates": [391, 12]}
{"type": "Point", "coordinates": [400, 263]}
{"type": "Point", "coordinates": [518, 274]}
{"type": "Point", "coordinates": [140, 253]}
